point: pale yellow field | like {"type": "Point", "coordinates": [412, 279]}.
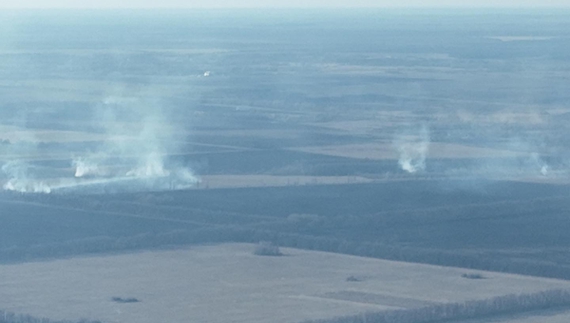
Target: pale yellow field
{"type": "Point", "coordinates": [385, 150]}
{"type": "Point", "coordinates": [389, 70]}
{"type": "Point", "coordinates": [521, 38]}
{"type": "Point", "coordinates": [227, 283]}
{"type": "Point", "coordinates": [553, 316]}
{"type": "Point", "coordinates": [372, 126]}
{"type": "Point", "coordinates": [17, 134]}
{"type": "Point", "coordinates": [235, 181]}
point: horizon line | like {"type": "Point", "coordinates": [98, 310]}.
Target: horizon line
{"type": "Point", "coordinates": [299, 8]}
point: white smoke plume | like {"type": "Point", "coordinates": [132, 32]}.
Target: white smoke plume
{"type": "Point", "coordinates": [152, 166]}
{"type": "Point", "coordinates": [139, 138]}
{"type": "Point", "coordinates": [20, 180]}
{"type": "Point", "coordinates": [85, 168]}
{"type": "Point", "coordinates": [526, 160]}
{"type": "Point", "coordinates": [529, 163]}
{"type": "Point", "coordinates": [413, 150]}
{"type": "Point", "coordinates": [544, 170]}
{"type": "Point", "coordinates": [538, 163]}
{"type": "Point", "coordinates": [134, 155]}
{"type": "Point", "coordinates": [18, 175]}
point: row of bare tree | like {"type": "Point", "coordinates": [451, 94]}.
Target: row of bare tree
{"type": "Point", "coordinates": [8, 317]}
{"type": "Point", "coordinates": [232, 233]}
{"type": "Point", "coordinates": [502, 305]}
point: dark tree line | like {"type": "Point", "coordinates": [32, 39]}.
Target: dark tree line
{"type": "Point", "coordinates": [9, 317]}
{"type": "Point", "coordinates": [230, 233]}
{"type": "Point", "coordinates": [502, 305]}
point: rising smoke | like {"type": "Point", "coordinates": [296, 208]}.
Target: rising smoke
{"type": "Point", "coordinates": [413, 150]}
{"type": "Point", "coordinates": [521, 158]}
{"type": "Point", "coordinates": [133, 156]}
{"type": "Point", "coordinates": [85, 168]}
{"type": "Point", "coordinates": [539, 163]}
{"type": "Point", "coordinates": [20, 179]}
{"type": "Point", "coordinates": [139, 140]}
{"type": "Point", "coordinates": [529, 162]}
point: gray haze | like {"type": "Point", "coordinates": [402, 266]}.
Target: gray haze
{"type": "Point", "coordinates": [277, 3]}
{"type": "Point", "coordinates": [311, 166]}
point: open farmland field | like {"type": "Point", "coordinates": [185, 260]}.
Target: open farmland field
{"type": "Point", "coordinates": [384, 150]}
{"type": "Point", "coordinates": [227, 283]}
{"type": "Point", "coordinates": [143, 154]}
{"type": "Point", "coordinates": [554, 316]}
{"type": "Point", "coordinates": [241, 181]}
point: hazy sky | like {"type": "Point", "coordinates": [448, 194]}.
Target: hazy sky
{"type": "Point", "coordinates": [275, 3]}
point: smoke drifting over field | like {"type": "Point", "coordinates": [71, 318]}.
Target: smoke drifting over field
{"type": "Point", "coordinates": [527, 161]}
{"type": "Point", "coordinates": [540, 164]}
{"type": "Point", "coordinates": [515, 158]}
{"type": "Point", "coordinates": [85, 168]}
{"type": "Point", "coordinates": [413, 150]}
{"type": "Point", "coordinates": [20, 179]}
{"type": "Point", "coordinates": [134, 156]}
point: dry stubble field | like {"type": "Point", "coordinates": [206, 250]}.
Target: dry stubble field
{"type": "Point", "coordinates": [227, 283]}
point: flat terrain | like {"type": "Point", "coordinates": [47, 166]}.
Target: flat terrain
{"type": "Point", "coordinates": [383, 150]}
{"type": "Point", "coordinates": [227, 283]}
{"type": "Point", "coordinates": [387, 137]}
{"type": "Point", "coordinates": [237, 181]}
{"type": "Point", "coordinates": [553, 316]}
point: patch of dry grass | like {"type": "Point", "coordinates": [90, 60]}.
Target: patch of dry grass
{"type": "Point", "coordinates": [387, 150]}
{"type": "Point", "coordinates": [250, 180]}
{"type": "Point", "coordinates": [228, 283]}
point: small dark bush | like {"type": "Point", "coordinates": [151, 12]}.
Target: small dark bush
{"type": "Point", "coordinates": [267, 249]}
{"type": "Point", "coordinates": [125, 300]}
{"type": "Point", "coordinates": [473, 276]}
